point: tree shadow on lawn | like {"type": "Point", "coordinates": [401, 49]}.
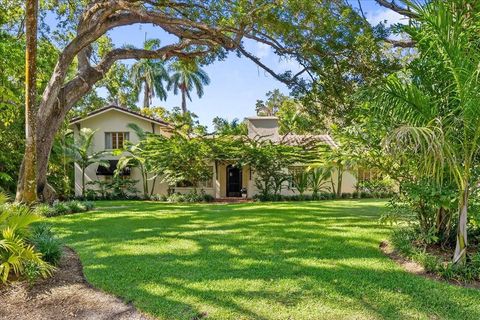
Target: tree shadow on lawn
{"type": "Point", "coordinates": [302, 261]}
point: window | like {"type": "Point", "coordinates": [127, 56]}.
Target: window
{"type": "Point", "coordinates": [115, 140]}
{"type": "Point", "coordinates": [368, 174]}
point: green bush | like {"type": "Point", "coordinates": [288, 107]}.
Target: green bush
{"type": "Point", "coordinates": [17, 255]}
{"type": "Point", "coordinates": [190, 197]}
{"type": "Point", "coordinates": [46, 243]}
{"type": "Point", "coordinates": [44, 210]}
{"type": "Point", "coordinates": [63, 208]}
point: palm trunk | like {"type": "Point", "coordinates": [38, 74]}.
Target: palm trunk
{"type": "Point", "coordinates": [461, 245]}
{"type": "Point", "coordinates": [153, 186]}
{"type": "Point", "coordinates": [184, 100]}
{"type": "Point", "coordinates": [339, 181]}
{"type": "Point", "coordinates": [27, 183]}
{"type": "Point", "coordinates": [146, 96]}
{"type": "Point", "coordinates": [83, 182]}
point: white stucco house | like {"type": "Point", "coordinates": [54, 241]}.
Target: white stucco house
{"type": "Point", "coordinates": [111, 130]}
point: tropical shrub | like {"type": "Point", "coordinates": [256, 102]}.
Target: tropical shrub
{"type": "Point", "coordinates": [190, 197]}
{"type": "Point", "coordinates": [408, 242]}
{"type": "Point", "coordinates": [18, 257]}
{"type": "Point", "coordinates": [301, 181]}
{"type": "Point", "coordinates": [46, 243]}
{"type": "Point", "coordinates": [62, 208]}
{"type": "Point", "coordinates": [118, 188]}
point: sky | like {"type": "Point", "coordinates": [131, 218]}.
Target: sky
{"type": "Point", "coordinates": [236, 83]}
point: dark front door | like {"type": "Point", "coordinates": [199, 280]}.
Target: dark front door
{"type": "Point", "coordinates": [234, 181]}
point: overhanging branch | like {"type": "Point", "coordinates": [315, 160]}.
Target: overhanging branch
{"type": "Point", "coordinates": [398, 9]}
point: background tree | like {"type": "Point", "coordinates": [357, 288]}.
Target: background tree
{"type": "Point", "coordinates": [186, 76]}
{"type": "Point", "coordinates": [224, 127]}
{"type": "Point", "coordinates": [185, 156]}
{"type": "Point", "coordinates": [150, 74]}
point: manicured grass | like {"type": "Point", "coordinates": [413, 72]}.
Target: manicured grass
{"type": "Point", "coordinates": [300, 260]}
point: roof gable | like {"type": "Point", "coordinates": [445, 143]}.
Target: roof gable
{"type": "Point", "coordinates": [119, 109]}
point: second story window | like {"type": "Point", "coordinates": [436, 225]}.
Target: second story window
{"type": "Point", "coordinates": [115, 140]}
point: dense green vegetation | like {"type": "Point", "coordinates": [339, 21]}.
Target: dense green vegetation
{"type": "Point", "coordinates": [301, 260]}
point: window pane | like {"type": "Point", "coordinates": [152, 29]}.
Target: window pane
{"type": "Point", "coordinates": [108, 140]}
{"type": "Point", "coordinates": [120, 140]}
{"type": "Point", "coordinates": [114, 140]}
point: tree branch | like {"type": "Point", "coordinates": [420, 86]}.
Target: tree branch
{"type": "Point", "coordinates": [401, 43]}
{"type": "Point", "coordinates": [398, 9]}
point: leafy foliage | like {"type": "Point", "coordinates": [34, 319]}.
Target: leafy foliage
{"type": "Point", "coordinates": [17, 254]}
{"type": "Point", "coordinates": [81, 152]}
{"type": "Point", "coordinates": [436, 109]}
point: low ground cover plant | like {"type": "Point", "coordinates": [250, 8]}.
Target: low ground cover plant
{"type": "Point", "coordinates": [323, 196]}
{"type": "Point", "coordinates": [190, 197]}
{"type": "Point", "coordinates": [59, 208]}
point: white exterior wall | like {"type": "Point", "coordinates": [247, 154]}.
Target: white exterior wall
{"type": "Point", "coordinates": [348, 185]}
{"type": "Point", "coordinates": [117, 121]}
{"type": "Point", "coordinates": [113, 121]}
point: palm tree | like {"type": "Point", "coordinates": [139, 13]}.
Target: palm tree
{"type": "Point", "coordinates": [300, 179]}
{"type": "Point", "coordinates": [437, 112]}
{"type": "Point", "coordinates": [319, 179]}
{"type": "Point", "coordinates": [187, 75]}
{"type": "Point", "coordinates": [150, 74]}
{"type": "Point", "coordinates": [134, 156]}
{"type": "Point", "coordinates": [81, 153]}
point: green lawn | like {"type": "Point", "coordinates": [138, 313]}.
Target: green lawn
{"type": "Point", "coordinates": [300, 260]}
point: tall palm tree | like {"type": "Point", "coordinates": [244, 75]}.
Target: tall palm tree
{"type": "Point", "coordinates": [437, 111]}
{"type": "Point", "coordinates": [150, 74]}
{"type": "Point", "coordinates": [186, 76]}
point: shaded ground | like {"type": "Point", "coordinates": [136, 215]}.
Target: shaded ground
{"type": "Point", "coordinates": [265, 261]}
{"type": "Point", "coordinates": [64, 296]}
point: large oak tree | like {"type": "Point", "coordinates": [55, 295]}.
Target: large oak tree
{"type": "Point", "coordinates": [207, 30]}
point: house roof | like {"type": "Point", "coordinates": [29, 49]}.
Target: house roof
{"type": "Point", "coordinates": [261, 118]}
{"type": "Point", "coordinates": [120, 109]}
{"type": "Point", "coordinates": [297, 139]}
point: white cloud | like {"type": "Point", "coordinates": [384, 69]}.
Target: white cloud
{"type": "Point", "coordinates": [386, 16]}
{"type": "Point", "coordinates": [262, 50]}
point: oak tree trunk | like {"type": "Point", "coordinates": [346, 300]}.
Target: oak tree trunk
{"type": "Point", "coordinates": [27, 183]}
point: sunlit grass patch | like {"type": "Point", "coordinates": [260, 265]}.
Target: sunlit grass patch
{"type": "Point", "coordinates": [304, 260]}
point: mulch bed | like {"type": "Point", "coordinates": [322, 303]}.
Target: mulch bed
{"type": "Point", "coordinates": [66, 295]}
{"type": "Point", "coordinates": [415, 268]}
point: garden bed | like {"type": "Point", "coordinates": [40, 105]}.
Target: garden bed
{"type": "Point", "coordinates": [414, 267]}
{"type": "Point", "coordinates": [66, 295]}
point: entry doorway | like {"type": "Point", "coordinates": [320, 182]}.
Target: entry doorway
{"type": "Point", "coordinates": [234, 181]}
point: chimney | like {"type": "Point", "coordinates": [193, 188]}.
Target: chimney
{"type": "Point", "coordinates": [265, 127]}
